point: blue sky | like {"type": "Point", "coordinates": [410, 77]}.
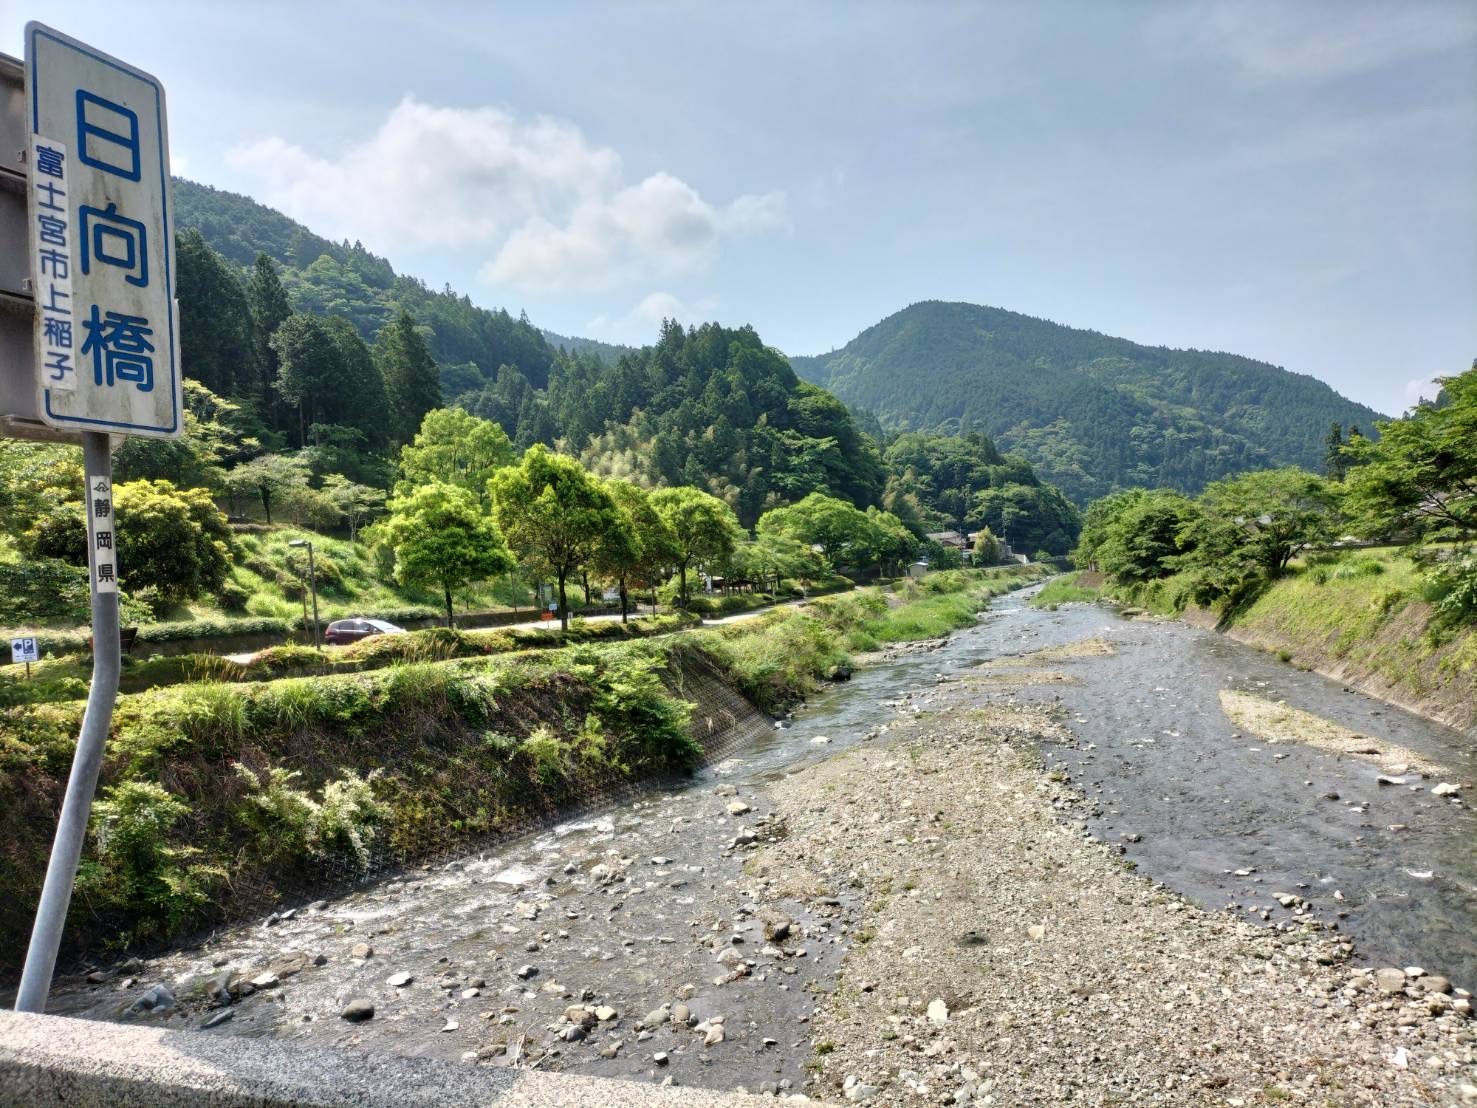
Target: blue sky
{"type": "Point", "coordinates": [1296, 182]}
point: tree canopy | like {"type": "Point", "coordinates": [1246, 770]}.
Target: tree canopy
{"type": "Point", "coordinates": [554, 513]}
{"type": "Point", "coordinates": [441, 537]}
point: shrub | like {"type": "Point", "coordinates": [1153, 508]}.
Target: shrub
{"type": "Point", "coordinates": [1452, 588]}
{"type": "Point", "coordinates": [287, 823]}
{"type": "Point", "coordinates": [134, 866]}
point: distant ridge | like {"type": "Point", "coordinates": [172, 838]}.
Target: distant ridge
{"type": "Point", "coordinates": [1091, 412]}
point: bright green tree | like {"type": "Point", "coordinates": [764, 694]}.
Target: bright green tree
{"type": "Point", "coordinates": [1275, 513]}
{"type": "Point", "coordinates": [890, 541]}
{"type": "Point", "coordinates": [639, 550]}
{"type": "Point", "coordinates": [457, 448]}
{"type": "Point", "coordinates": [705, 528]}
{"type": "Point", "coordinates": [170, 541]}
{"type": "Point", "coordinates": [986, 548]}
{"type": "Point", "coordinates": [1422, 471]}
{"type": "Point", "coordinates": [555, 515]}
{"type": "Point", "coordinates": [441, 537]}
{"type": "Point", "coordinates": [412, 381]}
{"type": "Point", "coordinates": [1146, 537]}
{"type": "Point", "coordinates": [845, 535]}
{"type": "Point", "coordinates": [775, 557]}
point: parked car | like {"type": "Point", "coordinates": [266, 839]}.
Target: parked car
{"type": "Point", "coordinates": [344, 631]}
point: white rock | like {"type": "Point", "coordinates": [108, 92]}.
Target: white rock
{"type": "Point", "coordinates": [938, 1012]}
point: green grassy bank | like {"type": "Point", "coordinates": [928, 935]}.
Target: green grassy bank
{"type": "Point", "coordinates": [1359, 617]}
{"type": "Point", "coordinates": [65, 678]}
{"type": "Point", "coordinates": [219, 798]}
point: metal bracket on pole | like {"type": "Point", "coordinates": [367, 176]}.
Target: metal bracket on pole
{"type": "Point", "coordinates": [71, 830]}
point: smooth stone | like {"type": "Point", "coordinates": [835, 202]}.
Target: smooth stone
{"type": "Point", "coordinates": [357, 1010]}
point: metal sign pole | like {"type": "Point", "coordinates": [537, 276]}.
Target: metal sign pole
{"type": "Point", "coordinates": [71, 830]}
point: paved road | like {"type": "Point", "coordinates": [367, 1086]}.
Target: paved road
{"type": "Point", "coordinates": [536, 624]}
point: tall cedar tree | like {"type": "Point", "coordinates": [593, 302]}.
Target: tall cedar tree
{"type": "Point", "coordinates": [412, 382]}
{"type": "Point", "coordinates": [215, 319]}
{"type": "Point", "coordinates": [269, 310]}
{"type": "Point", "coordinates": [310, 369]}
{"type": "Point", "coordinates": [359, 397]}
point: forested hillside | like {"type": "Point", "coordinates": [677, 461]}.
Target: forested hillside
{"type": "Point", "coordinates": [278, 321]}
{"type": "Point", "coordinates": [1093, 413]}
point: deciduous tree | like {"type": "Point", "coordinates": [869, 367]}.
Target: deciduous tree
{"type": "Point", "coordinates": [554, 514]}
{"type": "Point", "coordinates": [441, 537]}
{"type": "Point", "coordinates": [705, 528]}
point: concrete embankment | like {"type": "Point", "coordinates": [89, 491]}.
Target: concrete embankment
{"type": "Point", "coordinates": [50, 1060]}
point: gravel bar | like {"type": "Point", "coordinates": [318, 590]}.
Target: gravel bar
{"type": "Point", "coordinates": [999, 955]}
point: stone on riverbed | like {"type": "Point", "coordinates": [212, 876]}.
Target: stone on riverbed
{"type": "Point", "coordinates": [361, 950]}
{"type": "Point", "coordinates": [1390, 979]}
{"type": "Point", "coordinates": [358, 1010]}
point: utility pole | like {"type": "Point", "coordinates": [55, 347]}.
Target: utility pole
{"type": "Point", "coordinates": [313, 587]}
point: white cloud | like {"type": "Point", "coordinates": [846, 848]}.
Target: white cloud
{"type": "Point", "coordinates": [1274, 41]}
{"type": "Point", "coordinates": [660, 227]}
{"type": "Point", "coordinates": [1420, 388]}
{"type": "Point", "coordinates": [641, 323]}
{"type": "Point", "coordinates": [551, 208]}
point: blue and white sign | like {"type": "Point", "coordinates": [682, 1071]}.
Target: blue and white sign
{"type": "Point", "coordinates": [102, 242]}
{"type": "Point", "coordinates": [24, 650]}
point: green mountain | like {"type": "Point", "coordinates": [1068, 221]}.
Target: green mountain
{"type": "Point", "coordinates": [709, 406]}
{"type": "Point", "coordinates": [1092, 413]}
{"type": "Point", "coordinates": [344, 279]}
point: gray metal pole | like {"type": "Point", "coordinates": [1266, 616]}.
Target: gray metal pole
{"type": "Point", "coordinates": [71, 830]}
{"type": "Point", "coordinates": [313, 585]}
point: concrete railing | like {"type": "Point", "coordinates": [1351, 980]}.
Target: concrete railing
{"type": "Point", "coordinates": [53, 1060]}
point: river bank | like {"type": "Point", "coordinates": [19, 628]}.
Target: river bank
{"type": "Point", "coordinates": [1358, 618]}
{"type": "Point", "coordinates": [219, 800]}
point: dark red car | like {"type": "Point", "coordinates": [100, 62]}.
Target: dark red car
{"type": "Point", "coordinates": [341, 632]}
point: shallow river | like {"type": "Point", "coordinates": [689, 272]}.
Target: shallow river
{"type": "Point", "coordinates": [1192, 800]}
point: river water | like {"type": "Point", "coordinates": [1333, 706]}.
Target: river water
{"type": "Point", "coordinates": [673, 910]}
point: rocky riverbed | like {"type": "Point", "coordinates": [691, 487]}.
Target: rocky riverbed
{"type": "Point", "coordinates": [999, 955]}
{"type": "Point", "coordinates": [897, 900]}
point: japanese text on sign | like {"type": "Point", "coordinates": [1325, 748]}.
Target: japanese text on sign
{"type": "Point", "coordinates": [100, 550]}
{"type": "Point", "coordinates": [107, 331]}
{"type": "Point", "coordinates": [52, 263]}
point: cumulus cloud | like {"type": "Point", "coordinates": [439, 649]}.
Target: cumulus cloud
{"type": "Point", "coordinates": [640, 324]}
{"type": "Point", "coordinates": [552, 210]}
